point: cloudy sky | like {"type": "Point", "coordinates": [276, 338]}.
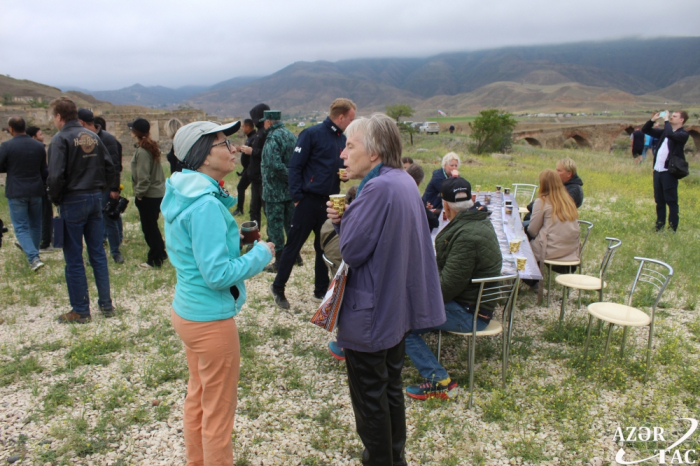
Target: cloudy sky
{"type": "Point", "coordinates": [109, 45]}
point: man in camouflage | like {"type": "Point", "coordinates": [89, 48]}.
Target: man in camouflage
{"type": "Point", "coordinates": [278, 150]}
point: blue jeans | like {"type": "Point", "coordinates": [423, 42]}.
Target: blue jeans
{"type": "Point", "coordinates": [111, 228]}
{"type": "Point", "coordinates": [82, 217]}
{"type": "Point", "coordinates": [25, 213]}
{"type": "Point", "coordinates": [644, 152]}
{"type": "Point", "coordinates": [458, 320]}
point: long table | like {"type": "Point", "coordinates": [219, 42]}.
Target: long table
{"type": "Point", "coordinates": [508, 228]}
{"type": "Point", "coordinates": [512, 227]}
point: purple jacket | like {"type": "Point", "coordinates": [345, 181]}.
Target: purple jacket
{"type": "Point", "coordinates": [393, 285]}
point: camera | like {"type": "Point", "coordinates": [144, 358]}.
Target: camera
{"type": "Point", "coordinates": [115, 207]}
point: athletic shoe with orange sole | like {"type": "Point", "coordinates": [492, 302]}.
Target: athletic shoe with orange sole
{"type": "Point", "coordinates": [430, 389]}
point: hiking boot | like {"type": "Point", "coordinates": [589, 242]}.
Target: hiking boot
{"type": "Point", "coordinates": [432, 390]}
{"type": "Point", "coordinates": [36, 265]}
{"type": "Point", "coordinates": [336, 351]}
{"type": "Point", "coordinates": [279, 297]}
{"type": "Point", "coordinates": [73, 318]}
{"type": "Point", "coordinates": [118, 258]}
{"type": "Point", "coordinates": [107, 312]}
{"type": "Point", "coordinates": [299, 262]}
{"type": "Point", "coordinates": [237, 212]}
{"type": "Point", "coordinates": [317, 298]}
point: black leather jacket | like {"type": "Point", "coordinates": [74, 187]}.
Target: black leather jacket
{"type": "Point", "coordinates": [79, 163]}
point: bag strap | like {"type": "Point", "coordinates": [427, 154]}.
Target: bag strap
{"type": "Point", "coordinates": [332, 235]}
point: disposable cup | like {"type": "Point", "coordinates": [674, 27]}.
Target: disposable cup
{"type": "Point", "coordinates": [338, 201]}
{"type": "Point", "coordinates": [515, 245]}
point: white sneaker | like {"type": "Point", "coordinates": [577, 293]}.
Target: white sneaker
{"type": "Point", "coordinates": [36, 265]}
{"type": "Point", "coordinates": [145, 265]}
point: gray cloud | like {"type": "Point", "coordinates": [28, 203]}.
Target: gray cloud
{"type": "Point", "coordinates": [109, 45]}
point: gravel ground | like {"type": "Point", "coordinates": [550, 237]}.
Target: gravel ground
{"type": "Point", "coordinates": [111, 392]}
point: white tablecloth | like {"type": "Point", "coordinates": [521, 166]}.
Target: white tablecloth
{"type": "Point", "coordinates": [505, 234]}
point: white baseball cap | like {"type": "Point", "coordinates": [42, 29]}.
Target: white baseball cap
{"type": "Point", "coordinates": [189, 134]}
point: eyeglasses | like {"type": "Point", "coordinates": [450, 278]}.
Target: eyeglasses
{"type": "Point", "coordinates": [229, 146]}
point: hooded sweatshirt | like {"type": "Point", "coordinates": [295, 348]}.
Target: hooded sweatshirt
{"type": "Point", "coordinates": [204, 247]}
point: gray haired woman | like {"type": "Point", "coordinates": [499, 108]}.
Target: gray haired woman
{"type": "Point", "coordinates": [393, 284]}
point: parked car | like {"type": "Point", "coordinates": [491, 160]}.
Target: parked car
{"type": "Point", "coordinates": [301, 124]}
{"type": "Point", "coordinates": [430, 127]}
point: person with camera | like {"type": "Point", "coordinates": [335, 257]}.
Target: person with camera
{"type": "Point", "coordinates": [670, 144]}
{"type": "Point", "coordinates": [671, 141]}
{"type": "Point", "coordinates": [204, 246]}
{"type": "Point", "coordinates": [111, 196]}
{"type": "Point", "coordinates": [149, 188]}
{"type": "Point", "coordinates": [80, 170]}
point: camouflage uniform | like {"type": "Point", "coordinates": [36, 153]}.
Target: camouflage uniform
{"type": "Point", "coordinates": [279, 207]}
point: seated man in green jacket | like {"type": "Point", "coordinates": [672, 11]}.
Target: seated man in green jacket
{"type": "Point", "coordinates": [466, 249]}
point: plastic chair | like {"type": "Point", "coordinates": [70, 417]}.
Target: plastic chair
{"type": "Point", "coordinates": [527, 190]}
{"type": "Point", "coordinates": [628, 316]}
{"type": "Point", "coordinates": [550, 262]}
{"type": "Point", "coordinates": [588, 282]}
{"type": "Point", "coordinates": [505, 287]}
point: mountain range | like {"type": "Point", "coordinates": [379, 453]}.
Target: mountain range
{"type": "Point", "coordinates": [604, 75]}
{"type": "Point", "coordinates": [621, 74]}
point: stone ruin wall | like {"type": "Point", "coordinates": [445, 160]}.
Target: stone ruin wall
{"type": "Point", "coordinates": [116, 123]}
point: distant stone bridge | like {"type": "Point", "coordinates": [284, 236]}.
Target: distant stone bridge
{"type": "Point", "coordinates": [598, 137]}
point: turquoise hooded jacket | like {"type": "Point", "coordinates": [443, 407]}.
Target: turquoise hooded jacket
{"type": "Point", "coordinates": [204, 247]}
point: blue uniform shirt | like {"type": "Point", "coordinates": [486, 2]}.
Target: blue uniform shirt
{"type": "Point", "coordinates": [316, 160]}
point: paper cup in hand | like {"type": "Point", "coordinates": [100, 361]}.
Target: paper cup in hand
{"type": "Point", "coordinates": [341, 172]}
{"type": "Point", "coordinates": [338, 201]}
{"type": "Point", "coordinates": [250, 232]}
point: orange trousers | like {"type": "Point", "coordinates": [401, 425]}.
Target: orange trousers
{"type": "Point", "coordinates": [213, 359]}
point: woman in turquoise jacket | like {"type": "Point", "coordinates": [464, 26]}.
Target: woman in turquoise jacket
{"type": "Point", "coordinates": [203, 244]}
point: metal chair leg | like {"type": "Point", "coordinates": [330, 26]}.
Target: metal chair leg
{"type": "Point", "coordinates": [510, 324]}
{"type": "Point", "coordinates": [579, 298]}
{"type": "Point", "coordinates": [646, 370]}
{"type": "Point", "coordinates": [439, 344]}
{"type": "Point", "coordinates": [503, 360]}
{"type": "Point", "coordinates": [624, 338]}
{"type": "Point", "coordinates": [607, 344]}
{"type": "Point", "coordinates": [549, 282]}
{"type": "Point", "coordinates": [588, 336]}
{"type": "Point", "coordinates": [472, 355]}
{"type": "Point", "coordinates": [564, 298]}
{"type": "Point", "coordinates": [600, 327]}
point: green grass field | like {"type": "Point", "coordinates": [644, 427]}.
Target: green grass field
{"type": "Point", "coordinates": [111, 392]}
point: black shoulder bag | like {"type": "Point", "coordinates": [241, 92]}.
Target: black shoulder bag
{"type": "Point", "coordinates": [677, 167]}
